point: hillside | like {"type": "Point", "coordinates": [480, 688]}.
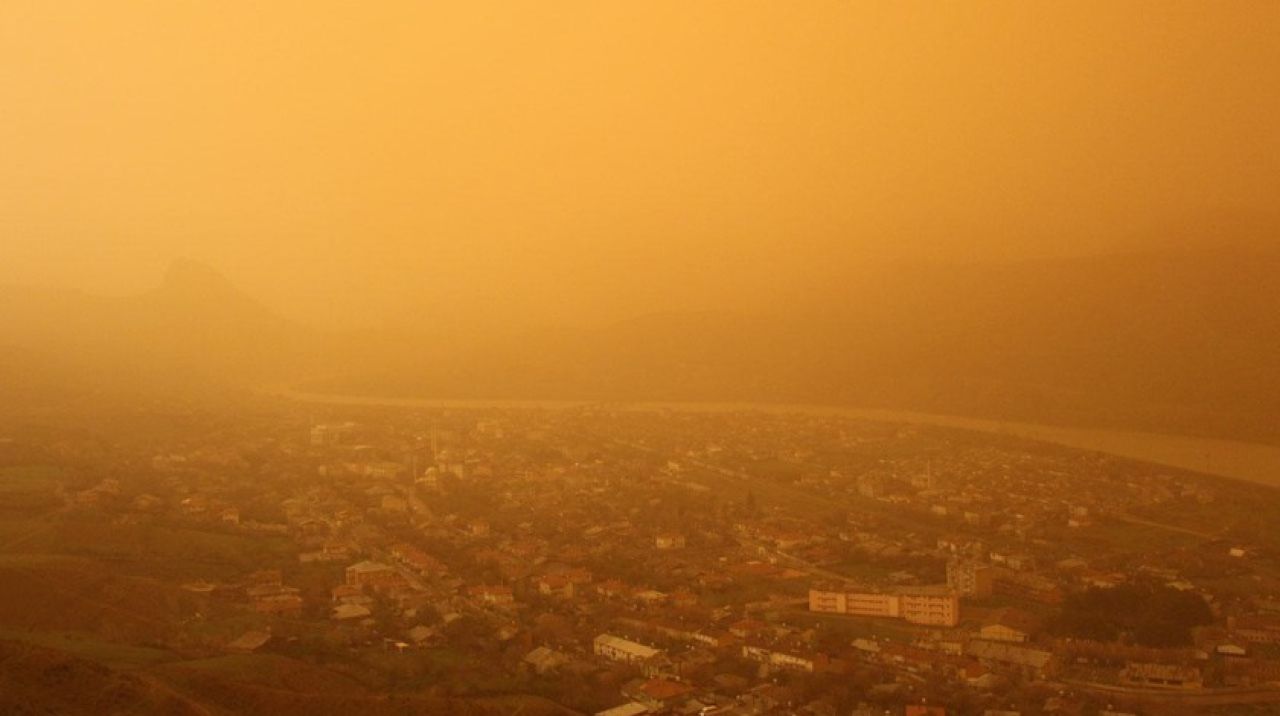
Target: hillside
{"type": "Point", "coordinates": [1172, 341]}
{"type": "Point", "coordinates": [194, 334]}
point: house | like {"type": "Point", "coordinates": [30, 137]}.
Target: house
{"type": "Point", "coordinates": [748, 628]}
{"type": "Point", "coordinates": [555, 585]}
{"type": "Point", "coordinates": [1231, 650]}
{"type": "Point", "coordinates": [545, 660]}
{"type": "Point", "coordinates": [348, 612]}
{"type": "Point", "coordinates": [370, 573]}
{"type": "Point", "coordinates": [1001, 632]}
{"type": "Point", "coordinates": [579, 575]}
{"type": "Point", "coordinates": [1034, 661]}
{"type": "Point", "coordinates": [284, 604]}
{"type": "Point", "coordinates": [613, 588]}
{"type": "Point", "coordinates": [1011, 625]}
{"type": "Point", "coordinates": [349, 594]}
{"type": "Point", "coordinates": [1164, 676]}
{"type": "Point", "coordinates": [669, 540]}
{"type": "Point", "coordinates": [631, 708]}
{"type": "Point", "coordinates": [249, 642]}
{"type": "Point", "coordinates": [615, 648]}
{"type": "Point", "coordinates": [422, 634]}
{"type": "Point", "coordinates": [657, 693]}
{"type": "Point", "coordinates": [497, 595]}
{"type": "Point", "coordinates": [780, 659]}
{"type": "Point", "coordinates": [1025, 585]}
{"type": "Point", "coordinates": [264, 576]}
{"type": "Point", "coordinates": [650, 596]}
{"type": "Point", "coordinates": [1256, 629]}
{"type": "Point", "coordinates": [684, 598]}
{"type": "Point", "coordinates": [419, 562]}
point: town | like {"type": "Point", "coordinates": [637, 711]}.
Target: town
{"type": "Point", "coordinates": [623, 561]}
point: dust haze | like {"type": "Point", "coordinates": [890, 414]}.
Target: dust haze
{"type": "Point", "coordinates": [824, 357]}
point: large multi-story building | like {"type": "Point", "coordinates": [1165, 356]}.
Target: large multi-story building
{"type": "Point", "coordinates": [872, 604]}
{"type": "Point", "coordinates": [970, 579]}
{"type": "Point", "coordinates": [935, 606]}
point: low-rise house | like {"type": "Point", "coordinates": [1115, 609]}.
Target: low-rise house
{"type": "Point", "coordinates": [555, 585]}
{"type": "Point", "coordinates": [781, 659]}
{"type": "Point", "coordinates": [1034, 661]}
{"type": "Point", "coordinates": [422, 634]}
{"type": "Point", "coordinates": [749, 628]}
{"type": "Point", "coordinates": [631, 708]}
{"type": "Point", "coordinates": [494, 594]}
{"type": "Point", "coordinates": [1256, 629]}
{"type": "Point", "coordinates": [657, 694]}
{"type": "Point", "coordinates": [545, 660]}
{"type": "Point", "coordinates": [418, 561]}
{"type": "Point", "coordinates": [1025, 585]}
{"type": "Point", "coordinates": [615, 648]}
{"type": "Point", "coordinates": [669, 540]}
{"type": "Point", "coordinates": [349, 594]}
{"type": "Point", "coordinates": [249, 642]}
{"type": "Point", "coordinates": [614, 589]}
{"type": "Point", "coordinates": [1164, 676]}
{"type": "Point", "coordinates": [1012, 625]}
{"type": "Point", "coordinates": [349, 612]}
{"type": "Point", "coordinates": [371, 573]}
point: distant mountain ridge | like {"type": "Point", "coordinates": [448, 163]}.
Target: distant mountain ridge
{"type": "Point", "coordinates": [194, 332]}
{"type": "Point", "coordinates": [1175, 341]}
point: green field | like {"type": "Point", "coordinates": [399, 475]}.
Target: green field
{"type": "Point", "coordinates": [115, 655]}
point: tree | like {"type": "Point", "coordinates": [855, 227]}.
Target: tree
{"type": "Point", "coordinates": [1150, 614]}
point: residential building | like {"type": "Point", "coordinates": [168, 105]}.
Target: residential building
{"type": "Point", "coordinates": [969, 579]}
{"type": "Point", "coordinates": [615, 648]}
{"type": "Point", "coordinates": [935, 606]}
{"type": "Point", "coordinates": [1169, 676]}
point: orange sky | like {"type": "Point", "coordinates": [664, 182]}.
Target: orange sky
{"type": "Point", "coordinates": [351, 162]}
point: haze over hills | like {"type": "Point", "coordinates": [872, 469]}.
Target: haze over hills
{"type": "Point", "coordinates": [1178, 341]}
{"type": "Point", "coordinates": [1171, 341]}
{"type": "Point", "coordinates": [193, 332]}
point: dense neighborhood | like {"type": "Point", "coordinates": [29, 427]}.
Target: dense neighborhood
{"type": "Point", "coordinates": [625, 561]}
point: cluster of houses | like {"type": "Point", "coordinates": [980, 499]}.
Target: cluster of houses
{"type": "Point", "coordinates": [706, 563]}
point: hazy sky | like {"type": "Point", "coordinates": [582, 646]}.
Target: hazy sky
{"type": "Point", "coordinates": [358, 162]}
